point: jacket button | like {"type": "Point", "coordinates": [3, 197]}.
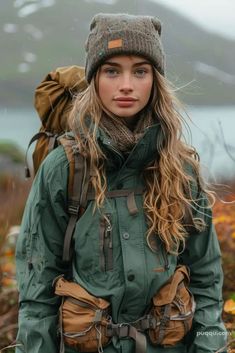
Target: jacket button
{"type": "Point", "coordinates": [126, 235]}
{"type": "Point", "coordinates": [131, 278]}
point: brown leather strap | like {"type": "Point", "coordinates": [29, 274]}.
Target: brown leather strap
{"type": "Point", "coordinates": [52, 142]}
{"type": "Point", "coordinates": [131, 204]}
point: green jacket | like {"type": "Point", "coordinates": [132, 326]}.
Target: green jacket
{"type": "Point", "coordinates": [127, 277]}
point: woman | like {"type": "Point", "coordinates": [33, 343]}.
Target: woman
{"type": "Point", "coordinates": [128, 127]}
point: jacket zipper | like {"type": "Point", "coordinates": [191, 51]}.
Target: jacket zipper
{"type": "Point", "coordinates": [106, 244]}
{"type": "Point", "coordinates": [111, 147]}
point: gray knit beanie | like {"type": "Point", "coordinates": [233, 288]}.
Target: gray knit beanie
{"type": "Point", "coordinates": [113, 34]}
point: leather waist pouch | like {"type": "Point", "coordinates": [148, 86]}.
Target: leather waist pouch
{"type": "Point", "coordinates": [83, 318]}
{"type": "Point", "coordinates": [172, 308]}
{"type": "Point", "coordinates": [86, 324]}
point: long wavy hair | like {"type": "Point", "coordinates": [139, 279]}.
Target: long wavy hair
{"type": "Point", "coordinates": [168, 200]}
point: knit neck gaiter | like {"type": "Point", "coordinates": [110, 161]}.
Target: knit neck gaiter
{"type": "Point", "coordinates": [123, 137]}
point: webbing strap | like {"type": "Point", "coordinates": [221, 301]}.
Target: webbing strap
{"type": "Point", "coordinates": [163, 323]}
{"type": "Point", "coordinates": [140, 340]}
{"type": "Point", "coordinates": [74, 204]}
{"type": "Point", "coordinates": [127, 330]}
{"type": "Point", "coordinates": [33, 139]}
{"type": "Point", "coordinates": [79, 171]}
{"type": "Point", "coordinates": [68, 237]}
{"type": "Point", "coordinates": [85, 184]}
{"type": "Point", "coordinates": [62, 348]}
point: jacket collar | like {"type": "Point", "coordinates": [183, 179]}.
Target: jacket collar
{"type": "Point", "coordinates": [143, 152]}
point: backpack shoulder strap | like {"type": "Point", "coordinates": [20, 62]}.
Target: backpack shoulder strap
{"type": "Point", "coordinates": [77, 189]}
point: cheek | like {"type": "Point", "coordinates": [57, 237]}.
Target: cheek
{"type": "Point", "coordinates": [146, 90]}
{"type": "Point", "coordinates": [105, 90]}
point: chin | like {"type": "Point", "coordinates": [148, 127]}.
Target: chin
{"type": "Point", "coordinates": [126, 114]}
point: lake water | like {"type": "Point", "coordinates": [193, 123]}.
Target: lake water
{"type": "Point", "coordinates": [213, 134]}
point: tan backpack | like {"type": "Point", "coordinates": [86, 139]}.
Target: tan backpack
{"type": "Point", "coordinates": [53, 102]}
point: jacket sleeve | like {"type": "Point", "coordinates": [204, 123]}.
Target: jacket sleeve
{"type": "Point", "coordinates": [203, 257]}
{"type": "Point", "coordinates": [39, 256]}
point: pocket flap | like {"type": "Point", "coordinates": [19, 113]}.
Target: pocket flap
{"type": "Point", "coordinates": [167, 292]}
{"type": "Point", "coordinates": [74, 290]}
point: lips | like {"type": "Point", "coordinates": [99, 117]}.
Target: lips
{"type": "Point", "coordinates": [125, 99]}
{"type": "Point", "coordinates": [125, 102]}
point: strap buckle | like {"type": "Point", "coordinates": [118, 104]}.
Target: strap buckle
{"type": "Point", "coordinates": [120, 330]}
{"type": "Point", "coordinates": [148, 322]}
{"type": "Point", "coordinates": [73, 207]}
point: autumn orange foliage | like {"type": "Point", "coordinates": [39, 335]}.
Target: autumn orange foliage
{"type": "Point", "coordinates": [224, 220]}
{"type": "Point", "coordinates": [13, 194]}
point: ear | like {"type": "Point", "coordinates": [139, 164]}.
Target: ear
{"type": "Point", "coordinates": [157, 25]}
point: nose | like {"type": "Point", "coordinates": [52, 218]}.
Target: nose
{"type": "Point", "coordinates": [126, 84]}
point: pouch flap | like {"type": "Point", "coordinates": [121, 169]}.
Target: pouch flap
{"type": "Point", "coordinates": [72, 289]}
{"type": "Point", "coordinates": [167, 292]}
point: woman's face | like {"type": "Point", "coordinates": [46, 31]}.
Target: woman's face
{"type": "Point", "coordinates": [125, 84]}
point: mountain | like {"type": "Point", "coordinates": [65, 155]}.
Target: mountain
{"type": "Point", "coordinates": [31, 46]}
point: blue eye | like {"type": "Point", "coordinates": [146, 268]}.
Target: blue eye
{"type": "Point", "coordinates": [140, 72]}
{"type": "Point", "coordinates": [111, 71]}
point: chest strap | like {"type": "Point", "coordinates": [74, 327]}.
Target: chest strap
{"type": "Point", "coordinates": [128, 193]}
{"type": "Point", "coordinates": [116, 193]}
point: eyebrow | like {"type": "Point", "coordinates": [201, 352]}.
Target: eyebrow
{"type": "Point", "coordinates": [111, 63]}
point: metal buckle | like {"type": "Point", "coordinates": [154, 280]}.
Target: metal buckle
{"type": "Point", "coordinates": [73, 207]}
{"type": "Point", "coordinates": [120, 330]}
{"type": "Point", "coordinates": [123, 330]}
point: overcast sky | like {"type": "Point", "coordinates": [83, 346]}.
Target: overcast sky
{"type": "Point", "coordinates": [215, 15]}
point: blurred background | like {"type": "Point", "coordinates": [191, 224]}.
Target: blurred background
{"type": "Point", "coordinates": [37, 36]}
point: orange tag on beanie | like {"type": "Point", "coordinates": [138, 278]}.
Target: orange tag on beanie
{"type": "Point", "coordinates": [116, 43]}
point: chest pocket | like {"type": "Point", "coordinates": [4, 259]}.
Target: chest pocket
{"type": "Point", "coordinates": [106, 243]}
{"type": "Point", "coordinates": [94, 239]}
{"type": "Point", "coordinates": [93, 242]}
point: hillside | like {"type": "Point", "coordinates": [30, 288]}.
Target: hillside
{"type": "Point", "coordinates": [54, 36]}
